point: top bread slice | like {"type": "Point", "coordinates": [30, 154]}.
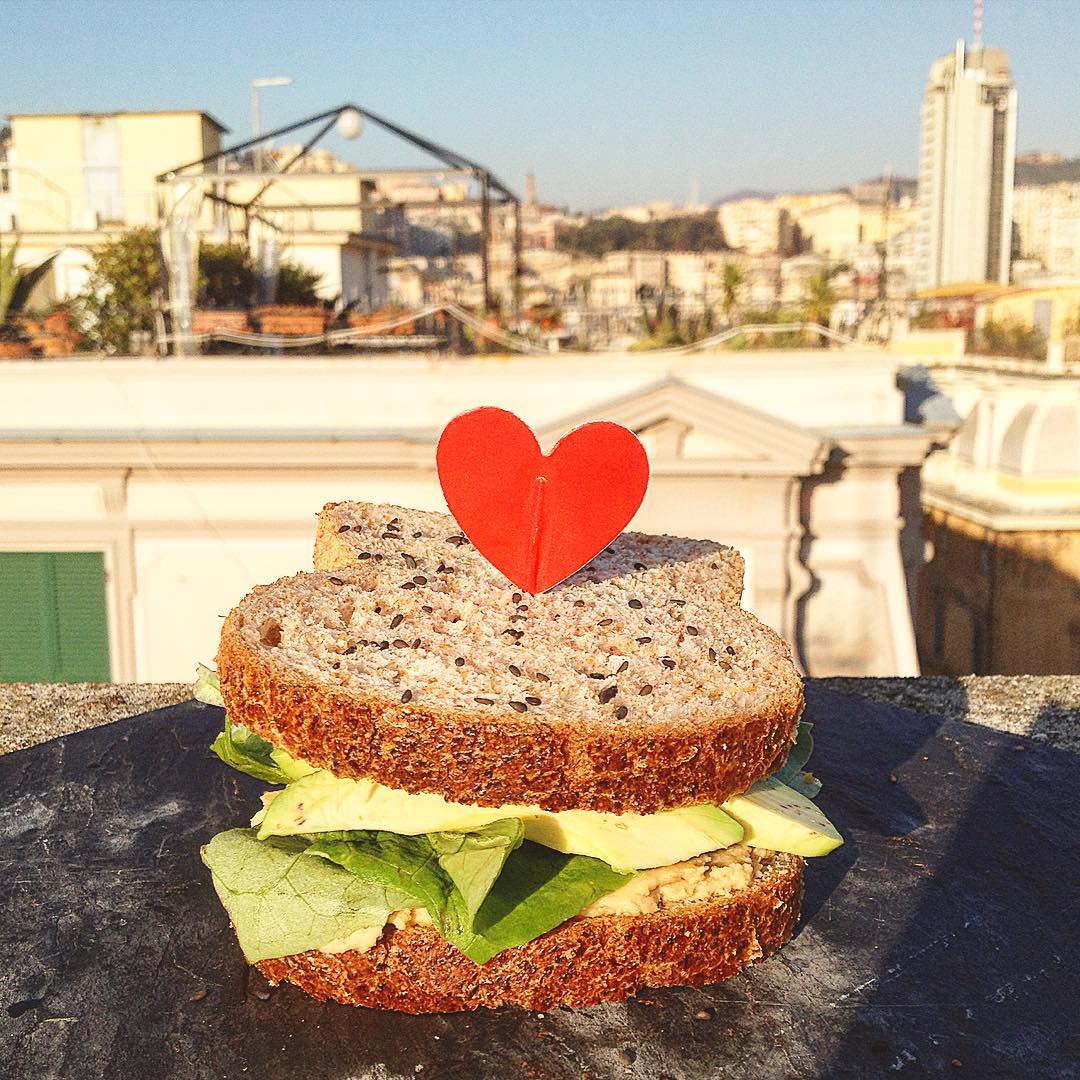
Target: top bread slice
{"type": "Point", "coordinates": [637, 685]}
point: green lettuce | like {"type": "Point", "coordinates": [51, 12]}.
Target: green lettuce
{"type": "Point", "coordinates": [486, 890]}
{"type": "Point", "coordinates": [282, 903]}
{"type": "Point", "coordinates": [793, 772]}
{"type": "Point", "coordinates": [244, 750]}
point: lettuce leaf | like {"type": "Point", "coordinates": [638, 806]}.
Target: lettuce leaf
{"type": "Point", "coordinates": [538, 890]}
{"type": "Point", "coordinates": [244, 750]}
{"type": "Point", "coordinates": [485, 890]}
{"type": "Point", "coordinates": [282, 903]}
{"type": "Point", "coordinates": [207, 686]}
{"type": "Point", "coordinates": [793, 771]}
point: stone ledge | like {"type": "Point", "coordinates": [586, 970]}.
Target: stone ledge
{"type": "Point", "coordinates": [1043, 707]}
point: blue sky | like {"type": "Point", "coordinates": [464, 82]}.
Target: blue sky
{"type": "Point", "coordinates": [609, 102]}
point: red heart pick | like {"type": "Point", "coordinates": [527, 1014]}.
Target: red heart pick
{"type": "Point", "coordinates": [538, 518]}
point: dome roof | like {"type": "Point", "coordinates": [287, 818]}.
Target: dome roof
{"type": "Point", "coordinates": [1043, 440]}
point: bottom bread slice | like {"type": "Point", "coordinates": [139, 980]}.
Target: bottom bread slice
{"type": "Point", "coordinates": [584, 961]}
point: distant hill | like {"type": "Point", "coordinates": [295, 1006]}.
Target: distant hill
{"type": "Point", "coordinates": [744, 193]}
{"type": "Point", "coordinates": [1036, 174]}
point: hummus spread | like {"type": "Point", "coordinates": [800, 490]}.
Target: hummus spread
{"type": "Point", "coordinates": [708, 877]}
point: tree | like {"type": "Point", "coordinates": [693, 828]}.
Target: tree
{"type": "Point", "coordinates": [819, 299]}
{"type": "Point", "coordinates": [226, 278]}
{"type": "Point", "coordinates": [16, 284]}
{"type": "Point", "coordinates": [732, 281]}
{"type": "Point", "coordinates": [297, 284]}
{"type": "Point", "coordinates": [127, 278]}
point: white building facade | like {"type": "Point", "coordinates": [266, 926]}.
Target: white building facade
{"type": "Point", "coordinates": [192, 480]}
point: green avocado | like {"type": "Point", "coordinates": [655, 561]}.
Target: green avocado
{"type": "Point", "coordinates": [777, 817]}
{"type": "Point", "coordinates": [321, 802]}
{"type": "Point", "coordinates": [636, 841]}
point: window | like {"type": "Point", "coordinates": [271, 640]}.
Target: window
{"type": "Point", "coordinates": [101, 170]}
{"type": "Point", "coordinates": [55, 627]}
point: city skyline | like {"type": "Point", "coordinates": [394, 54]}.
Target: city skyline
{"type": "Point", "coordinates": [617, 104]}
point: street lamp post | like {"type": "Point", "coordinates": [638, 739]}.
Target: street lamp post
{"type": "Point", "coordinates": [256, 127]}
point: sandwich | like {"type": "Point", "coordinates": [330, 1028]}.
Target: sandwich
{"type": "Point", "coordinates": [481, 797]}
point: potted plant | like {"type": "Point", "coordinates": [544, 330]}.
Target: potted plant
{"type": "Point", "coordinates": [298, 309]}
{"type": "Point", "coordinates": [16, 285]}
{"type": "Point", "coordinates": [226, 285]}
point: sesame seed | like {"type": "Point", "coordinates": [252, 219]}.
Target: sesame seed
{"type": "Point", "coordinates": [399, 643]}
{"type": "Point", "coordinates": [724, 665]}
{"type": "Point", "coordinates": [676, 600]}
{"type": "Point", "coordinates": [579, 603]}
{"type": "Point", "coordinates": [712, 655]}
{"type": "Point", "coordinates": [668, 663]}
{"type": "Point", "coordinates": [636, 603]}
{"type": "Point", "coordinates": [416, 643]}
{"type": "Point", "coordinates": [337, 665]}
{"type": "Point", "coordinates": [459, 661]}
{"type": "Point", "coordinates": [644, 640]}
{"type": "Point", "coordinates": [378, 556]}
{"type": "Point", "coordinates": [337, 581]}
{"type": "Point", "coordinates": [519, 706]}
{"type": "Point", "coordinates": [364, 555]}
{"type": "Point", "coordinates": [519, 618]}
{"type": "Point", "coordinates": [620, 712]}
{"type": "Point", "coordinates": [597, 675]}
{"type": "Point", "coordinates": [645, 690]}
{"type": "Point", "coordinates": [420, 579]}
{"type": "Point", "coordinates": [392, 521]}
{"type": "Point", "coordinates": [389, 536]}
{"type": "Point", "coordinates": [692, 631]}
{"type": "Point", "coordinates": [607, 694]}
{"type": "Point", "coordinates": [515, 670]}
{"type": "Point", "coordinates": [639, 566]}
{"type": "Point", "coordinates": [714, 566]}
{"type": "Point", "coordinates": [408, 585]}
{"type": "Point", "coordinates": [533, 700]}
{"type": "Point", "coordinates": [407, 696]}
{"type": "Point", "coordinates": [484, 700]}
{"type": "Point", "coordinates": [729, 650]}
{"type": "Point", "coordinates": [622, 667]}
{"type": "Point", "coordinates": [344, 528]}
{"type": "Point", "coordinates": [542, 677]}
{"type": "Point", "coordinates": [523, 607]}
{"type": "Point", "coordinates": [516, 598]}
{"type": "Point", "coordinates": [427, 609]}
{"type": "Point", "coordinates": [417, 535]}
{"type": "Point", "coordinates": [410, 561]}
{"type": "Point", "coordinates": [605, 622]}
{"type": "Point", "coordinates": [384, 645]}
{"type": "Point", "coordinates": [350, 650]}
{"type": "Point", "coordinates": [396, 621]}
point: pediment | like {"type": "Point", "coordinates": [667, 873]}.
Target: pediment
{"type": "Point", "coordinates": [683, 426]}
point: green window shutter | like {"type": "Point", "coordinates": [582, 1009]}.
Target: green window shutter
{"type": "Point", "coordinates": [53, 622]}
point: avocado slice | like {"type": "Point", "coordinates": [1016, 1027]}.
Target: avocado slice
{"type": "Point", "coordinates": [321, 802]}
{"type": "Point", "coordinates": [777, 817]}
{"type": "Point", "coordinates": [636, 841]}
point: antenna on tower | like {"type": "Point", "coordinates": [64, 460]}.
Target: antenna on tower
{"type": "Point", "coordinates": [978, 21]}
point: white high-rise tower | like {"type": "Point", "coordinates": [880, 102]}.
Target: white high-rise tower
{"type": "Point", "coordinates": [966, 166]}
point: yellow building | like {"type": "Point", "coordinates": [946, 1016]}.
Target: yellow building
{"type": "Point", "coordinates": [1054, 308]}
{"type": "Point", "coordinates": [78, 180]}
{"type": "Point", "coordinates": [835, 227]}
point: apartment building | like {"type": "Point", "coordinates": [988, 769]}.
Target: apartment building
{"type": "Point", "coordinates": [76, 180]}
{"type": "Point", "coordinates": [966, 168]}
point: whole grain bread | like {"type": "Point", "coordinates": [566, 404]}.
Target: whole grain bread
{"type": "Point", "coordinates": [580, 963]}
{"type": "Point", "coordinates": [603, 696]}
{"type": "Point", "coordinates": [349, 533]}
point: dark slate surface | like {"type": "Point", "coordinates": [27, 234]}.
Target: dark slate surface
{"type": "Point", "coordinates": [941, 939]}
